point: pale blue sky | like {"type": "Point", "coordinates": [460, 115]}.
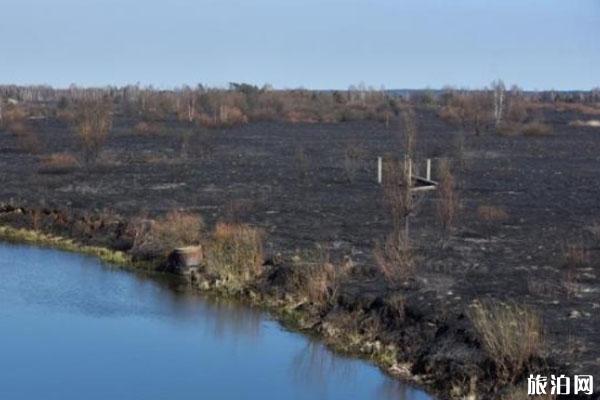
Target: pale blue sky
{"type": "Point", "coordinates": [538, 44]}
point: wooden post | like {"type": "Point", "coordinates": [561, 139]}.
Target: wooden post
{"type": "Point", "coordinates": [410, 172]}
{"type": "Point", "coordinates": [379, 169]}
{"type": "Point", "coordinates": [428, 175]}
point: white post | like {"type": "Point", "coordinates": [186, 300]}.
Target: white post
{"type": "Point", "coordinates": [409, 172]}
{"type": "Point", "coordinates": [428, 175]}
{"type": "Point", "coordinates": [379, 169]}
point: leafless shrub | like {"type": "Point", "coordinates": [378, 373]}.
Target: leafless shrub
{"type": "Point", "coordinates": [58, 163]}
{"type": "Point", "coordinates": [511, 335]}
{"type": "Point", "coordinates": [395, 257]}
{"type": "Point", "coordinates": [536, 129]}
{"type": "Point", "coordinates": [448, 203]}
{"type": "Point", "coordinates": [397, 196]}
{"type": "Point", "coordinates": [93, 121]}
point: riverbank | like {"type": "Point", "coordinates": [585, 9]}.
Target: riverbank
{"type": "Point", "coordinates": [383, 327]}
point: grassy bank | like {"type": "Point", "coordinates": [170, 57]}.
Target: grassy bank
{"type": "Point", "coordinates": [31, 237]}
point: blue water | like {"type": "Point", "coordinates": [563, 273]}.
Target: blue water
{"type": "Point", "coordinates": [72, 328]}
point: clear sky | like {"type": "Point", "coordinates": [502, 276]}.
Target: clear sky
{"type": "Point", "coordinates": [317, 44]}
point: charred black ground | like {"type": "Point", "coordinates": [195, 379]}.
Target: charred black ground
{"type": "Point", "coordinates": [298, 183]}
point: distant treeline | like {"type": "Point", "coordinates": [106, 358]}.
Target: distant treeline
{"type": "Point", "coordinates": [241, 103]}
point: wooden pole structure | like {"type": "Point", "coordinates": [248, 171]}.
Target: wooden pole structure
{"type": "Point", "coordinates": [428, 175]}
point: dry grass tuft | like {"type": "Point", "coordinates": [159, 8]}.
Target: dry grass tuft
{"type": "Point", "coordinates": [58, 163]}
{"type": "Point", "coordinates": [536, 129]}
{"type": "Point", "coordinates": [315, 278]}
{"type": "Point", "coordinates": [235, 254]}
{"type": "Point", "coordinates": [395, 257]}
{"type": "Point", "coordinates": [510, 334]}
{"type": "Point", "coordinates": [491, 215]}
{"type": "Point", "coordinates": [157, 238]}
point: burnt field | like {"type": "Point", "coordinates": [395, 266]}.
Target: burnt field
{"type": "Point", "coordinates": [527, 231]}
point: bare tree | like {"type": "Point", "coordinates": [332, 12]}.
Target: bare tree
{"type": "Point", "coordinates": [447, 206]}
{"type": "Point", "coordinates": [499, 90]}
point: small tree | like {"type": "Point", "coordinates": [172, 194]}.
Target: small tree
{"type": "Point", "coordinates": [397, 195]}
{"type": "Point", "coordinates": [93, 121]}
{"type": "Point", "coordinates": [447, 206]}
{"type": "Point", "coordinates": [499, 90]}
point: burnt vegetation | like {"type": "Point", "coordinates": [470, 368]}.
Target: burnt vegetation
{"type": "Point", "coordinates": [465, 289]}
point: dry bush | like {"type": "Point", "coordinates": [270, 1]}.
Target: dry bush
{"type": "Point", "coordinates": [395, 257]}
{"type": "Point", "coordinates": [93, 121]}
{"type": "Point", "coordinates": [536, 129]}
{"type": "Point", "coordinates": [58, 163]}
{"type": "Point", "coordinates": [144, 128]}
{"type": "Point", "coordinates": [157, 238]}
{"type": "Point", "coordinates": [235, 254]}
{"type": "Point", "coordinates": [448, 203]}
{"type": "Point", "coordinates": [472, 111]}
{"type": "Point", "coordinates": [491, 215]}
{"type": "Point", "coordinates": [315, 278]}
{"type": "Point", "coordinates": [510, 334]}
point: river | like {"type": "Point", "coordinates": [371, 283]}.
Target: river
{"type": "Point", "coordinates": [73, 328]}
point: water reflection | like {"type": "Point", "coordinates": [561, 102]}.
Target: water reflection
{"type": "Point", "coordinates": [96, 332]}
